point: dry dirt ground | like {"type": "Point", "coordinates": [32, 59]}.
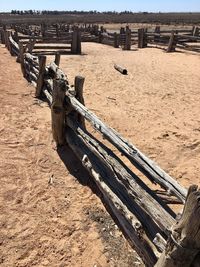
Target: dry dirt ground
{"type": "Point", "coordinates": [49, 216]}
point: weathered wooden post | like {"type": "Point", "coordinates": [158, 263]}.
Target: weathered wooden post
{"type": "Point", "coordinates": [78, 49]}
{"type": "Point", "coordinates": [183, 246]}
{"type": "Point", "coordinates": [43, 29]}
{"type": "Point", "coordinates": [57, 30]}
{"type": "Point", "coordinates": [30, 45]}
{"type": "Point", "coordinates": [157, 29]}
{"type": "Point", "coordinates": [6, 39]}
{"type": "Point", "coordinates": [122, 30]}
{"type": "Point", "coordinates": [122, 37]}
{"type": "Point", "coordinates": [20, 58]}
{"type": "Point", "coordinates": [57, 59]}
{"type": "Point", "coordinates": [58, 110]}
{"type": "Point", "coordinates": [9, 43]}
{"type": "Point", "coordinates": [96, 30]}
{"type": "Point", "coordinates": [116, 40]}
{"type": "Point", "coordinates": [128, 39]}
{"type": "Point", "coordinates": [74, 42]}
{"type": "Point", "coordinates": [142, 38]}
{"type": "Point", "coordinates": [78, 83]}
{"type": "Point", "coordinates": [3, 37]}
{"type": "Point", "coordinates": [157, 32]}
{"type": "Point", "coordinates": [101, 29]}
{"type": "Point", "coordinates": [100, 37]}
{"type": "Point", "coordinates": [15, 36]}
{"type": "Point", "coordinates": [172, 43]}
{"type": "Point", "coordinates": [40, 81]}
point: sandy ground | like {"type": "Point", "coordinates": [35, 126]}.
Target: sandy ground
{"type": "Point", "coordinates": [64, 223]}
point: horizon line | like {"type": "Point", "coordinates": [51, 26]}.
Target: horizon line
{"type": "Point", "coordinates": [77, 10]}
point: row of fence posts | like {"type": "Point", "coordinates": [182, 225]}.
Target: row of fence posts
{"type": "Point", "coordinates": [122, 39]}
{"type": "Point", "coordinates": [143, 37]}
{"type": "Point", "coordinates": [75, 42]}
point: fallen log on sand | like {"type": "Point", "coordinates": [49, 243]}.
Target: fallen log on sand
{"type": "Point", "coordinates": [121, 69]}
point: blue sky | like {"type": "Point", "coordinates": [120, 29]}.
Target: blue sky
{"type": "Point", "coordinates": [103, 5]}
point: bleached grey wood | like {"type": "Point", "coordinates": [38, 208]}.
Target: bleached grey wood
{"type": "Point", "coordinates": [147, 208]}
{"type": "Point", "coordinates": [128, 222]}
{"type": "Point", "coordinates": [143, 163]}
{"type": "Point", "coordinates": [183, 246]}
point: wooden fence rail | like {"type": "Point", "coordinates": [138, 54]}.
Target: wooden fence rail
{"type": "Point", "coordinates": [69, 37]}
{"type": "Point", "coordinates": [173, 40]}
{"type": "Point", "coordinates": [42, 45]}
{"type": "Point", "coordinates": [148, 223]}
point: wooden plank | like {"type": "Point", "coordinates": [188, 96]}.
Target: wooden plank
{"type": "Point", "coordinates": [48, 95]}
{"type": "Point", "coordinates": [128, 222]}
{"type": "Point", "coordinates": [56, 46]}
{"type": "Point", "coordinates": [143, 163]}
{"type": "Point", "coordinates": [34, 60]}
{"type": "Point", "coordinates": [147, 208]}
{"type": "Point", "coordinates": [193, 38]}
{"type": "Point", "coordinates": [13, 43]}
{"type": "Point", "coordinates": [31, 68]}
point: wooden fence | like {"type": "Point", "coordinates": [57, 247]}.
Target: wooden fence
{"type": "Point", "coordinates": [70, 44]}
{"type": "Point", "coordinates": [182, 39]}
{"type": "Point", "coordinates": [143, 214]}
{"type": "Point", "coordinates": [186, 39]}
{"type": "Point", "coordinates": [49, 39]}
